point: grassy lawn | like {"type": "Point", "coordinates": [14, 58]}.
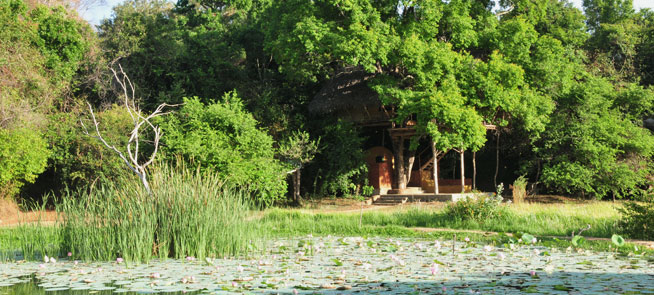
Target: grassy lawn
{"type": "Point", "coordinates": [559, 219]}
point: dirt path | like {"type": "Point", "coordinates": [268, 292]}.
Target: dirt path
{"type": "Point", "coordinates": [11, 215]}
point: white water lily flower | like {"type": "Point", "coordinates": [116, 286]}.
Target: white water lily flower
{"type": "Point", "coordinates": [46, 258]}
{"type": "Point", "coordinates": [549, 269]}
{"type": "Point", "coordinates": [488, 248]}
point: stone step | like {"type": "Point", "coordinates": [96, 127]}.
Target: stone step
{"type": "Point", "coordinates": [406, 191]}
{"type": "Point", "coordinates": [397, 200]}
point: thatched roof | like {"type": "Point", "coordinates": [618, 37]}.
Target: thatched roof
{"type": "Point", "coordinates": [347, 90]}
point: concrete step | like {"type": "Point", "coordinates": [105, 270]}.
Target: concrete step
{"type": "Point", "coordinates": [407, 191]}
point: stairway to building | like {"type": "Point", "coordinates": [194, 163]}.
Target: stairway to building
{"type": "Point", "coordinates": [396, 197]}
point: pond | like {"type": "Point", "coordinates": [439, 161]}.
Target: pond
{"type": "Point", "coordinates": [350, 265]}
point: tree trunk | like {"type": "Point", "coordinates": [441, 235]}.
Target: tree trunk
{"type": "Point", "coordinates": [398, 145]}
{"type": "Point", "coordinates": [434, 153]}
{"type": "Point", "coordinates": [296, 188]}
{"type": "Point", "coordinates": [497, 157]}
{"type": "Point", "coordinates": [463, 179]}
{"type": "Point", "coordinates": [474, 170]}
{"type": "Point", "coordinates": [404, 159]}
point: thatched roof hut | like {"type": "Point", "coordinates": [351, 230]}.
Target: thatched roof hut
{"type": "Point", "coordinates": [347, 95]}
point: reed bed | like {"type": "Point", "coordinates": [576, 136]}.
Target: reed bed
{"type": "Point", "coordinates": [189, 214]}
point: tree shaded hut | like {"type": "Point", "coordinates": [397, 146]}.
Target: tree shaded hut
{"type": "Point", "coordinates": [394, 166]}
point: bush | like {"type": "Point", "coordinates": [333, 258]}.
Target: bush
{"type": "Point", "coordinates": [190, 213]}
{"type": "Point", "coordinates": [480, 208]}
{"type": "Point", "coordinates": [223, 137]}
{"type": "Point", "coordinates": [341, 164]}
{"type": "Point", "coordinates": [593, 149]}
{"type": "Point", "coordinates": [78, 160]}
{"type": "Point", "coordinates": [23, 155]}
{"type": "Point", "coordinates": [638, 220]}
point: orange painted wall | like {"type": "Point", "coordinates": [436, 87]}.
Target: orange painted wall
{"type": "Point", "coordinates": [380, 175]}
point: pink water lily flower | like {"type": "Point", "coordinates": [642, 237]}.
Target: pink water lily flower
{"type": "Point", "coordinates": [434, 269]}
{"type": "Point", "coordinates": [467, 239]}
{"type": "Point", "coordinates": [70, 254]}
{"type": "Point", "coordinates": [119, 260]}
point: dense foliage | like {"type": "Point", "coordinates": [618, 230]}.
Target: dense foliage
{"type": "Point", "coordinates": [638, 220]}
{"type": "Point", "coordinates": [41, 49]}
{"type": "Point", "coordinates": [224, 138]}
{"type": "Point", "coordinates": [572, 87]}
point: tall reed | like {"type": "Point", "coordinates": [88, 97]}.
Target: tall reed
{"type": "Point", "coordinates": [189, 213]}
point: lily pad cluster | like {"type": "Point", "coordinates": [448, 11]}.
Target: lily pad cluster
{"type": "Point", "coordinates": [356, 265]}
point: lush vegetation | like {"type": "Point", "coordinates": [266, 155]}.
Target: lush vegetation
{"type": "Point", "coordinates": [568, 90]}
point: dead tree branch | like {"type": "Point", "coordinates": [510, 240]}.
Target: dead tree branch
{"type": "Point", "coordinates": [138, 120]}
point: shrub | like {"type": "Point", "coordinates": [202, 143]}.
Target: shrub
{"type": "Point", "coordinates": [480, 208]}
{"type": "Point", "coordinates": [23, 155]}
{"type": "Point", "coordinates": [638, 220]}
{"type": "Point", "coordinates": [223, 137]}
{"type": "Point", "coordinates": [190, 213]}
{"type": "Point", "coordinates": [78, 160]}
{"type": "Point", "coordinates": [593, 149]}
{"type": "Point", "coordinates": [341, 164]}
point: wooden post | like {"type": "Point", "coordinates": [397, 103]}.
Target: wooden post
{"type": "Point", "coordinates": [435, 153]}
{"type": "Point", "coordinates": [463, 179]}
{"type": "Point", "coordinates": [409, 166]}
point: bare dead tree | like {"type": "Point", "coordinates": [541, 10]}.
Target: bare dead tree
{"type": "Point", "coordinates": [139, 120]}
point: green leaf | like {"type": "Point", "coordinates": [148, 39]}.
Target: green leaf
{"type": "Point", "coordinates": [577, 241]}
{"type": "Point", "coordinates": [617, 240]}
